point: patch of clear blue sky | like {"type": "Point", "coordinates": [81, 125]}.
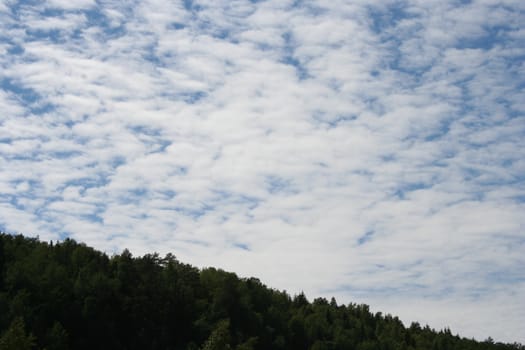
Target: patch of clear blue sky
{"type": "Point", "coordinates": [340, 119]}
{"type": "Point", "coordinates": [193, 97]}
{"type": "Point", "coordinates": [33, 155]}
{"type": "Point", "coordinates": [401, 191]}
{"type": "Point", "coordinates": [97, 18]}
{"type": "Point", "coordinates": [155, 140]}
{"type": "Point", "coordinates": [12, 200]}
{"type": "Point", "coordinates": [276, 184]}
{"type": "Point", "coordinates": [134, 195]}
{"type": "Point", "coordinates": [207, 26]}
{"type": "Point", "coordinates": [146, 130]}
{"type": "Point", "coordinates": [290, 59]}
{"type": "Point", "coordinates": [493, 35]}
{"type": "Point", "coordinates": [95, 217]}
{"type": "Point", "coordinates": [169, 194]}
{"type": "Point", "coordinates": [191, 6]}
{"type": "Point", "coordinates": [85, 183]}
{"type": "Point", "coordinates": [14, 48]}
{"type": "Point", "coordinates": [117, 161]}
{"type": "Point", "coordinates": [250, 202]}
{"type": "Point", "coordinates": [242, 246]}
{"type": "Point", "coordinates": [519, 198]}
{"type": "Point", "coordinates": [195, 213]}
{"type": "Point", "coordinates": [505, 277]}
{"type": "Point", "coordinates": [176, 26]}
{"type": "Point", "coordinates": [64, 154]}
{"type": "Point", "coordinates": [5, 139]}
{"type": "Point", "coordinates": [384, 18]}
{"type": "Point", "coordinates": [17, 6]}
{"type": "Point", "coordinates": [365, 238]}
{"type": "Point", "coordinates": [26, 95]}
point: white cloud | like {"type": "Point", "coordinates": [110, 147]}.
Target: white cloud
{"type": "Point", "coordinates": [70, 5]}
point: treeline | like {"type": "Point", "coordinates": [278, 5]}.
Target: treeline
{"type": "Point", "coordinates": [66, 295]}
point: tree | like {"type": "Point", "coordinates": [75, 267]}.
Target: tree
{"type": "Point", "coordinates": [247, 345]}
{"type": "Point", "coordinates": [57, 337]}
{"type": "Point", "coordinates": [16, 338]}
{"type": "Point", "coordinates": [70, 296]}
{"type": "Point", "coordinates": [219, 338]}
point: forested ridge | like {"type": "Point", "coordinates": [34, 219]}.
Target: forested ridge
{"type": "Point", "coordinates": [66, 295]}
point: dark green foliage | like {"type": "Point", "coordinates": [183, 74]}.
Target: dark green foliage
{"type": "Point", "coordinates": [69, 296]}
{"type": "Point", "coordinates": [16, 338]}
{"type": "Point", "coordinates": [220, 337]}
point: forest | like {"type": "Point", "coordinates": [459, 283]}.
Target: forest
{"type": "Point", "coordinates": [66, 295]}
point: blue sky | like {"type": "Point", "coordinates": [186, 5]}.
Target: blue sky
{"type": "Point", "coordinates": [371, 150]}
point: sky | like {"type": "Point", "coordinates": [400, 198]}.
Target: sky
{"type": "Point", "coordinates": [369, 150]}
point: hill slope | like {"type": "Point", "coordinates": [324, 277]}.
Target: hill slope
{"type": "Point", "coordinates": [69, 296]}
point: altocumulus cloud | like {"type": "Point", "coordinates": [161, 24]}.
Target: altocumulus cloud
{"type": "Point", "coordinates": [371, 150]}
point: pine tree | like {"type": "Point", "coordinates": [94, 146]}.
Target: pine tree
{"type": "Point", "coordinates": [16, 338]}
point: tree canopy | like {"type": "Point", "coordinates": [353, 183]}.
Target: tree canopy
{"type": "Point", "coordinates": [66, 295]}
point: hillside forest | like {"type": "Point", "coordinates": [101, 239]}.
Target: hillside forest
{"type": "Point", "coordinates": [66, 295]}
